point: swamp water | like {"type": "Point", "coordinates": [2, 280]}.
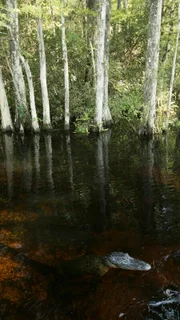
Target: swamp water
{"type": "Point", "coordinates": [63, 197]}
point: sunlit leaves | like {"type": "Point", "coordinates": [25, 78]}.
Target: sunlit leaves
{"type": "Point", "coordinates": [3, 17]}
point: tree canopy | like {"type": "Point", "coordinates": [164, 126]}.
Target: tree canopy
{"type": "Point", "coordinates": [127, 58]}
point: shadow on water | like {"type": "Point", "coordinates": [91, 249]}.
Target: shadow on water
{"type": "Point", "coordinates": [68, 196]}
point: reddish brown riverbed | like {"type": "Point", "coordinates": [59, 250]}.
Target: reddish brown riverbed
{"type": "Point", "coordinates": [61, 198]}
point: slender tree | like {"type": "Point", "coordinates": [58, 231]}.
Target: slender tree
{"type": "Point", "coordinates": [119, 3]}
{"type": "Point", "coordinates": [34, 118]}
{"type": "Point", "coordinates": [102, 112]}
{"type": "Point", "coordinates": [101, 24]}
{"type": "Point", "coordinates": [170, 31]}
{"type": "Point", "coordinates": [125, 4]}
{"type": "Point", "coordinates": [52, 17]}
{"type": "Point", "coordinates": [6, 121]}
{"type": "Point", "coordinates": [22, 115]}
{"type": "Point", "coordinates": [43, 77]}
{"type": "Point", "coordinates": [152, 59]}
{"type": "Point", "coordinates": [107, 119]}
{"type": "Point", "coordinates": [66, 75]}
{"type": "Point", "coordinates": [90, 38]}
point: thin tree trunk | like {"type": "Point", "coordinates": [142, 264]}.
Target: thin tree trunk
{"type": "Point", "coordinates": [35, 125]}
{"type": "Point", "coordinates": [119, 4]}
{"type": "Point", "coordinates": [173, 70]}
{"type": "Point", "coordinates": [169, 36]}
{"type": "Point", "coordinates": [152, 59]}
{"type": "Point", "coordinates": [52, 17]}
{"type": "Point", "coordinates": [125, 4]}
{"type": "Point", "coordinates": [66, 76]}
{"type": "Point", "coordinates": [90, 36]}
{"type": "Point", "coordinates": [101, 25]}
{"type": "Point", "coordinates": [43, 77]}
{"type": "Point", "coordinates": [22, 116]}
{"type": "Point", "coordinates": [107, 119]}
{"type": "Point", "coordinates": [6, 121]}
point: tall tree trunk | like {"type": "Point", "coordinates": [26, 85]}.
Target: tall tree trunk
{"type": "Point", "coordinates": [170, 32]}
{"type": "Point", "coordinates": [66, 76]}
{"type": "Point", "coordinates": [173, 69]}
{"type": "Point", "coordinates": [6, 121]}
{"type": "Point", "coordinates": [90, 23]}
{"type": "Point", "coordinates": [119, 4]}
{"type": "Point", "coordinates": [35, 124]}
{"type": "Point", "coordinates": [52, 17]}
{"type": "Point", "coordinates": [152, 59]}
{"type": "Point", "coordinates": [107, 119]}
{"type": "Point", "coordinates": [43, 77]}
{"type": "Point", "coordinates": [22, 116]}
{"type": "Point", "coordinates": [101, 25]}
{"type": "Point", "coordinates": [125, 4]}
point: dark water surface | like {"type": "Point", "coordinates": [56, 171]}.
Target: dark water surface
{"type": "Point", "coordinates": [62, 197]}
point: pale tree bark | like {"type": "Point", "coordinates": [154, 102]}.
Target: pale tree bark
{"type": "Point", "coordinates": [125, 4]}
{"type": "Point", "coordinates": [173, 70]}
{"type": "Point", "coordinates": [170, 32]}
{"type": "Point", "coordinates": [119, 4]}
{"type": "Point", "coordinates": [152, 59]}
{"type": "Point", "coordinates": [90, 35]}
{"type": "Point", "coordinates": [6, 121]}
{"type": "Point", "coordinates": [22, 116]}
{"type": "Point", "coordinates": [102, 112]}
{"type": "Point", "coordinates": [101, 25]}
{"type": "Point", "coordinates": [107, 119]}
{"type": "Point", "coordinates": [34, 118]}
{"type": "Point", "coordinates": [171, 28]}
{"type": "Point", "coordinates": [43, 77]}
{"type": "Point", "coordinates": [66, 75]}
{"type": "Point", "coordinates": [52, 17]}
{"type": "Point", "coordinates": [93, 63]}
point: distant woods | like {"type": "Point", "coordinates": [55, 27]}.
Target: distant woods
{"type": "Point", "coordinates": [88, 64]}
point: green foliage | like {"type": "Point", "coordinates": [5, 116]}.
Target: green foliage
{"type": "Point", "coordinates": [127, 103]}
{"type": "Point", "coordinates": [129, 39]}
{"type": "Point", "coordinates": [127, 58]}
{"type": "Point", "coordinates": [82, 124]}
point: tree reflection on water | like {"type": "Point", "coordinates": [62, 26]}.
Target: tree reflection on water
{"type": "Point", "coordinates": [66, 196]}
